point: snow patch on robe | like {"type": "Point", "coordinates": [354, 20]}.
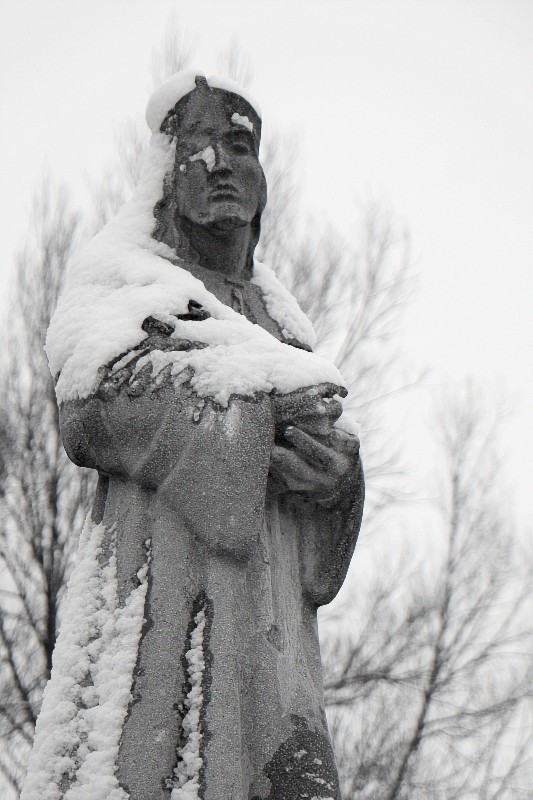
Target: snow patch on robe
{"type": "Point", "coordinates": [190, 762]}
{"type": "Point", "coordinates": [85, 702]}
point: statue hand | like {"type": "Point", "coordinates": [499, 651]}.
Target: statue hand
{"type": "Point", "coordinates": [315, 464]}
{"type": "Point", "coordinates": [313, 409]}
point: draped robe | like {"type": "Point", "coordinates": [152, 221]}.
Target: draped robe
{"type": "Point", "coordinates": [226, 693]}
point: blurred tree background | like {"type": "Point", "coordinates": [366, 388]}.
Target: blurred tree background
{"type": "Point", "coordinates": [427, 658]}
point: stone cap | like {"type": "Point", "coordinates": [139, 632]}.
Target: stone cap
{"type": "Point", "coordinates": [180, 84]}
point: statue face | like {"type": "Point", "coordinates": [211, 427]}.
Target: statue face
{"type": "Point", "coordinates": [219, 180]}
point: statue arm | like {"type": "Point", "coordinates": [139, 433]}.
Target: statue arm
{"type": "Point", "coordinates": [328, 535]}
{"type": "Point", "coordinates": [315, 468]}
{"type": "Point", "coordinates": [116, 429]}
{"type": "Point", "coordinates": [207, 465]}
{"type": "Point", "coordinates": [325, 500]}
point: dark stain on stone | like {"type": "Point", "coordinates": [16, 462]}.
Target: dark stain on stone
{"type": "Point", "coordinates": [100, 499]}
{"type": "Point", "coordinates": [138, 671]}
{"type": "Point", "coordinates": [196, 312]}
{"type": "Point", "coordinates": [302, 767]}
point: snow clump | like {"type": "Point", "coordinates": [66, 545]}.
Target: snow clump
{"type": "Point", "coordinates": [238, 119]}
{"type": "Point", "coordinates": [207, 155]}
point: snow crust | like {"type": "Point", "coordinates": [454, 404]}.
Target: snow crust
{"type": "Point", "coordinates": [238, 119]}
{"type": "Point", "coordinates": [178, 85]}
{"type": "Point", "coordinates": [86, 701]}
{"type": "Point", "coordinates": [207, 155]}
{"type": "Point", "coordinates": [123, 275]}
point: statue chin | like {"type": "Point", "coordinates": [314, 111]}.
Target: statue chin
{"type": "Point", "coordinates": [229, 223]}
{"type": "Point", "coordinates": [226, 215]}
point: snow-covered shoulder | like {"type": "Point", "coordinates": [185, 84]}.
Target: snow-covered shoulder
{"type": "Point", "coordinates": [98, 321]}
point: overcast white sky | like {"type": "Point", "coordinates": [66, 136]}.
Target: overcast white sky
{"type": "Point", "coordinates": [423, 103]}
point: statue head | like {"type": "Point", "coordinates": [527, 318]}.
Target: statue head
{"type": "Point", "coordinates": [217, 182]}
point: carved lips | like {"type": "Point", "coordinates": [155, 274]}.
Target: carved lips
{"type": "Point", "coordinates": [224, 191]}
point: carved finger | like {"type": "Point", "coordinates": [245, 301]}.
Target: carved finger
{"type": "Point", "coordinates": [312, 450]}
{"type": "Point", "coordinates": [294, 406]}
{"type": "Point", "coordinates": [310, 410]}
{"type": "Point", "coordinates": [301, 399]}
{"type": "Point", "coordinates": [289, 467]}
{"type": "Point", "coordinates": [333, 407]}
{"type": "Point", "coordinates": [322, 420]}
{"type": "Point", "coordinates": [331, 389]}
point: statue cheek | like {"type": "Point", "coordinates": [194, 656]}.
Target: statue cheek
{"type": "Point", "coordinates": [263, 194]}
{"type": "Point", "coordinates": [190, 191]}
{"type": "Point", "coordinates": [254, 180]}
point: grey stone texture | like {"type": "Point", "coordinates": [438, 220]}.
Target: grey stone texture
{"type": "Point", "coordinates": [252, 512]}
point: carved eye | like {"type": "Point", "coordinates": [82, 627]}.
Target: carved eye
{"type": "Point", "coordinates": [240, 147]}
{"type": "Point", "coordinates": [241, 144]}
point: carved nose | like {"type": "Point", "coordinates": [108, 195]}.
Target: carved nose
{"type": "Point", "coordinates": [222, 159]}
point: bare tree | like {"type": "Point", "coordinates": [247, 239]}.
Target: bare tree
{"type": "Point", "coordinates": [430, 689]}
{"type": "Point", "coordinates": [355, 292]}
{"type": "Point", "coordinates": [43, 497]}
{"type": "Point", "coordinates": [173, 52]}
{"type": "Point", "coordinates": [109, 192]}
{"type": "Point", "coordinates": [234, 62]}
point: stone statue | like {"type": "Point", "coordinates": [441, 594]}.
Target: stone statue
{"type": "Point", "coordinates": [229, 496]}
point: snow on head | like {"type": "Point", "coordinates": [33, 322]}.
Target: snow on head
{"type": "Point", "coordinates": [238, 119]}
{"type": "Point", "coordinates": [167, 95]}
{"type": "Point", "coordinates": [220, 82]}
{"type": "Point", "coordinates": [124, 275]}
{"type": "Point", "coordinates": [181, 83]}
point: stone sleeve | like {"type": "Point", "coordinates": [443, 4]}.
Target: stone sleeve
{"type": "Point", "coordinates": [328, 536]}
{"type": "Point", "coordinates": [119, 428]}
